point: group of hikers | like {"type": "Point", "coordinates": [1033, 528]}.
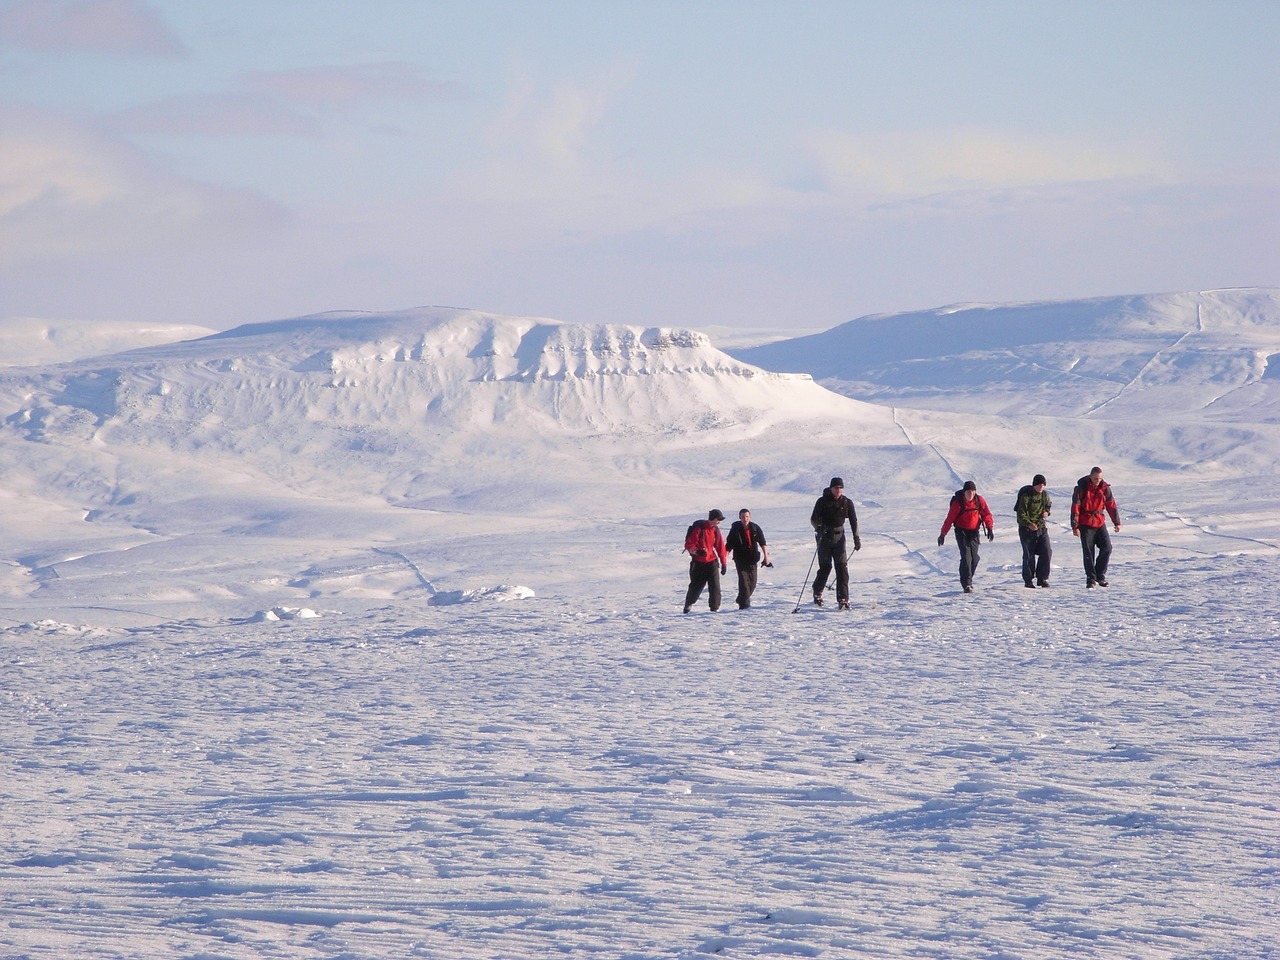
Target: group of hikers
{"type": "Point", "coordinates": [1092, 502]}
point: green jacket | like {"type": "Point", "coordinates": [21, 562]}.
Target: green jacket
{"type": "Point", "coordinates": [1032, 507]}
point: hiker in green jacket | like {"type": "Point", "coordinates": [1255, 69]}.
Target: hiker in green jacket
{"type": "Point", "coordinates": [1032, 507]}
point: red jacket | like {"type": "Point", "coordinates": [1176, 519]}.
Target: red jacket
{"type": "Point", "coordinates": [705, 543]}
{"type": "Point", "coordinates": [1089, 505]}
{"type": "Point", "coordinates": [968, 514]}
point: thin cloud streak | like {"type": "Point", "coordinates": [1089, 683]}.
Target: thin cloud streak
{"type": "Point", "coordinates": [117, 27]}
{"type": "Point", "coordinates": [348, 86]}
{"type": "Point", "coordinates": [217, 115]}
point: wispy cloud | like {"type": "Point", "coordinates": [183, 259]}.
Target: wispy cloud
{"type": "Point", "coordinates": [345, 86]}
{"type": "Point", "coordinates": [67, 190]}
{"type": "Point", "coordinates": [119, 27]}
{"type": "Point", "coordinates": [554, 126]}
{"type": "Point", "coordinates": [924, 162]}
{"type": "Point", "coordinates": [285, 103]}
{"type": "Point", "coordinates": [217, 114]}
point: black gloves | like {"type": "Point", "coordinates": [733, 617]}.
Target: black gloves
{"type": "Point", "coordinates": [724, 568]}
{"type": "Point", "coordinates": [942, 538]}
{"type": "Point", "coordinates": [857, 543]}
{"type": "Point", "coordinates": [991, 534]}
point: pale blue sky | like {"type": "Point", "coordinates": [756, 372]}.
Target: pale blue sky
{"type": "Point", "coordinates": [750, 164]}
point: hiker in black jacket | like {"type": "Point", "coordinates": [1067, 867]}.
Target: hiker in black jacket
{"type": "Point", "coordinates": [829, 515]}
{"type": "Point", "coordinates": [746, 543]}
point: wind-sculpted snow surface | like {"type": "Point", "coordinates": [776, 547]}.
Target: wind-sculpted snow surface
{"type": "Point", "coordinates": [359, 635]}
{"type": "Point", "coordinates": [1038, 776]}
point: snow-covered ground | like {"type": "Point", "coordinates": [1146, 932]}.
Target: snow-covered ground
{"type": "Point", "coordinates": [359, 636]}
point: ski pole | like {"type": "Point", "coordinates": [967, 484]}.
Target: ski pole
{"type": "Point", "coordinates": [806, 579]}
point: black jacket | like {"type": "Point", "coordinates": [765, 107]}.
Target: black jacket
{"type": "Point", "coordinates": [830, 513]}
{"type": "Point", "coordinates": [736, 542]}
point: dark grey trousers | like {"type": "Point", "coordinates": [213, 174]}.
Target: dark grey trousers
{"type": "Point", "coordinates": [967, 541]}
{"type": "Point", "coordinates": [832, 552]}
{"type": "Point", "coordinates": [703, 575]}
{"type": "Point", "coordinates": [746, 584]}
{"type": "Point", "coordinates": [1037, 554]}
{"type": "Point", "coordinates": [1095, 543]}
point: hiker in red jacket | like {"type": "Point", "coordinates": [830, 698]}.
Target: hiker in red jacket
{"type": "Point", "coordinates": [709, 560]}
{"type": "Point", "coordinates": [969, 513]}
{"type": "Point", "coordinates": [1091, 502]}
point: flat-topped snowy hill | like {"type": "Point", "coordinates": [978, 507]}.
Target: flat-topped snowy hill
{"type": "Point", "coordinates": [347, 430]}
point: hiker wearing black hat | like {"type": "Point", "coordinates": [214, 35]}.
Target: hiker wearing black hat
{"type": "Point", "coordinates": [1032, 509]}
{"type": "Point", "coordinates": [969, 513]}
{"type": "Point", "coordinates": [829, 515]}
{"type": "Point", "coordinates": [708, 560]}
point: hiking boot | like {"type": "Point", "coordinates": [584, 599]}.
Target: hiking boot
{"type": "Point", "coordinates": [817, 599]}
{"type": "Point", "coordinates": [1102, 581]}
{"type": "Point", "coordinates": [1090, 585]}
{"type": "Point", "coordinates": [686, 609]}
{"type": "Point", "coordinates": [1044, 583]}
{"type": "Point", "coordinates": [968, 588]}
{"type": "Point", "coordinates": [844, 604]}
{"type": "Point", "coordinates": [1029, 585]}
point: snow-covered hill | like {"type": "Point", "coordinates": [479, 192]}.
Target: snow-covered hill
{"type": "Point", "coordinates": [32, 342]}
{"type": "Point", "coordinates": [1175, 382]}
{"type": "Point", "coordinates": [1215, 354]}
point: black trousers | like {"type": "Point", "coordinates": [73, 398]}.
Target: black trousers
{"type": "Point", "coordinates": [1037, 554]}
{"type": "Point", "coordinates": [703, 575]}
{"type": "Point", "coordinates": [832, 553]}
{"type": "Point", "coordinates": [746, 584]}
{"type": "Point", "coordinates": [1095, 543]}
{"type": "Point", "coordinates": [968, 540]}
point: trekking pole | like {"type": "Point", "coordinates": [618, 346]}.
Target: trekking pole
{"type": "Point", "coordinates": [806, 579]}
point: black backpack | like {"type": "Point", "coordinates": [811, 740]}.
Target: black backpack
{"type": "Point", "coordinates": [1026, 491]}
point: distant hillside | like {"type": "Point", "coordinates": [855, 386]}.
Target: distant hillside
{"type": "Point", "coordinates": [31, 342]}
{"type": "Point", "coordinates": [431, 408]}
{"type": "Point", "coordinates": [433, 370]}
{"type": "Point", "coordinates": [1117, 357]}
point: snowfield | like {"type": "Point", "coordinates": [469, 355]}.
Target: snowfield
{"type": "Point", "coordinates": [359, 636]}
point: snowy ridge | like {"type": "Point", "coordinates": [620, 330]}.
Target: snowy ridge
{"type": "Point", "coordinates": [1118, 357]}
{"type": "Point", "coordinates": [33, 342]}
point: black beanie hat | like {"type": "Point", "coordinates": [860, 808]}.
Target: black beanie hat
{"type": "Point", "coordinates": [970, 485]}
{"type": "Point", "coordinates": [715, 515]}
{"type": "Point", "coordinates": [836, 482]}
{"type": "Point", "coordinates": [1038, 478]}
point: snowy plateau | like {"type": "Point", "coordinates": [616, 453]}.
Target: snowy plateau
{"type": "Point", "coordinates": [359, 635]}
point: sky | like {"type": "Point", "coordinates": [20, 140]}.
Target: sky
{"type": "Point", "coordinates": [741, 165]}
